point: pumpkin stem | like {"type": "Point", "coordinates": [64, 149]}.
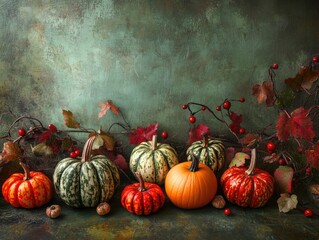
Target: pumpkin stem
{"type": "Point", "coordinates": [141, 181]}
{"type": "Point", "coordinates": [205, 140]}
{"type": "Point", "coordinates": [195, 163]}
{"type": "Point", "coordinates": [26, 171]}
{"type": "Point", "coordinates": [154, 142]}
{"type": "Point", "coordinates": [252, 164]}
{"type": "Point", "coordinates": [87, 149]}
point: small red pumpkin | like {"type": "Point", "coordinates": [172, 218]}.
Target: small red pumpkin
{"type": "Point", "coordinates": [142, 198]}
{"type": "Point", "coordinates": [28, 190]}
{"type": "Point", "coordinates": [250, 187]}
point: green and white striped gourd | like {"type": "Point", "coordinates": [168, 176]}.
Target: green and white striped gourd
{"type": "Point", "coordinates": [153, 160]}
{"type": "Point", "coordinates": [209, 151]}
{"type": "Point", "coordinates": [86, 181]}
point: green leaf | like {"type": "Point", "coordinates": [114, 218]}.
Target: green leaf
{"type": "Point", "coordinates": [239, 159]}
{"type": "Point", "coordinates": [42, 150]}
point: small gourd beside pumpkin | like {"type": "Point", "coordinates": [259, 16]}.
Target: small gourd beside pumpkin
{"type": "Point", "coordinates": [191, 184]}
{"type": "Point", "coordinates": [29, 190]}
{"type": "Point", "coordinates": [209, 151]}
{"type": "Point", "coordinates": [142, 198]}
{"type": "Point", "coordinates": [86, 181]}
{"type": "Point", "coordinates": [247, 187]}
{"type": "Point", "coordinates": [153, 160]}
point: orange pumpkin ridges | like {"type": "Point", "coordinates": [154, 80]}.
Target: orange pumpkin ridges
{"type": "Point", "coordinates": [191, 184]}
{"type": "Point", "coordinates": [28, 190]}
{"type": "Point", "coordinates": [250, 187]}
{"type": "Point", "coordinates": [142, 198]}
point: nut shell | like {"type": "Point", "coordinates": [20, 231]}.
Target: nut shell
{"type": "Point", "coordinates": [218, 201]}
{"type": "Point", "coordinates": [103, 208]}
{"type": "Point", "coordinates": [53, 211]}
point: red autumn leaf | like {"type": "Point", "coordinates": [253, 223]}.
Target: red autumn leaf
{"type": "Point", "coordinates": [108, 105]}
{"type": "Point", "coordinates": [120, 161]}
{"type": "Point", "coordinates": [303, 79]}
{"type": "Point", "coordinates": [44, 136]}
{"type": "Point", "coordinates": [197, 133]}
{"type": "Point", "coordinates": [283, 179]}
{"type": "Point", "coordinates": [312, 156]}
{"type": "Point", "coordinates": [69, 119]}
{"type": "Point", "coordinates": [298, 125]}
{"type": "Point", "coordinates": [264, 93]}
{"type": "Point", "coordinates": [249, 139]}
{"type": "Point", "coordinates": [236, 121]}
{"type": "Point", "coordinates": [140, 134]}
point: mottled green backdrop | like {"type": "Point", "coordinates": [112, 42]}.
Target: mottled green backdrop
{"type": "Point", "coordinates": [148, 56]}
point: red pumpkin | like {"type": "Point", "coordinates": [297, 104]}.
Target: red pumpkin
{"type": "Point", "coordinates": [142, 198]}
{"type": "Point", "coordinates": [28, 190]}
{"type": "Point", "coordinates": [247, 187]}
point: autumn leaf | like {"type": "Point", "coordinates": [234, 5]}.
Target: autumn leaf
{"type": "Point", "coordinates": [287, 202]}
{"type": "Point", "coordinates": [44, 136]}
{"type": "Point", "coordinates": [197, 133]}
{"type": "Point", "coordinates": [272, 158]}
{"type": "Point", "coordinates": [304, 79]}
{"type": "Point", "coordinates": [108, 105]}
{"type": "Point", "coordinates": [283, 179]}
{"type": "Point", "coordinates": [312, 156]}
{"type": "Point", "coordinates": [10, 152]}
{"type": "Point", "coordinates": [264, 93]}
{"type": "Point", "coordinates": [239, 159]}
{"type": "Point", "coordinates": [250, 139]}
{"type": "Point", "coordinates": [103, 139]}
{"type": "Point", "coordinates": [120, 161]}
{"type": "Point", "coordinates": [297, 125]}
{"type": "Point", "coordinates": [140, 134]}
{"type": "Point", "coordinates": [69, 119]}
{"type": "Point", "coordinates": [42, 149]}
{"type": "Point", "coordinates": [236, 121]}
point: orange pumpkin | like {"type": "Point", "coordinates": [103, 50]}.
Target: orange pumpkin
{"type": "Point", "coordinates": [191, 184]}
{"type": "Point", "coordinates": [28, 190]}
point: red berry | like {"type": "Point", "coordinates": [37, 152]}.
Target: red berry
{"type": "Point", "coordinates": [315, 59]}
{"type": "Point", "coordinates": [52, 128]}
{"type": "Point", "coordinates": [192, 119]}
{"type": "Point", "coordinates": [203, 108]}
{"type": "Point", "coordinates": [227, 211]}
{"type": "Point", "coordinates": [242, 99]}
{"type": "Point", "coordinates": [77, 152]}
{"type": "Point", "coordinates": [226, 105]}
{"type": "Point", "coordinates": [218, 108]}
{"type": "Point", "coordinates": [184, 106]}
{"type": "Point", "coordinates": [164, 135]}
{"type": "Point", "coordinates": [308, 171]}
{"type": "Point", "coordinates": [281, 162]}
{"type": "Point", "coordinates": [242, 130]}
{"type": "Point", "coordinates": [271, 146]}
{"type": "Point", "coordinates": [274, 66]}
{"type": "Point", "coordinates": [73, 155]}
{"type": "Point", "coordinates": [22, 132]}
{"type": "Point", "coordinates": [300, 149]}
{"type": "Point", "coordinates": [308, 212]}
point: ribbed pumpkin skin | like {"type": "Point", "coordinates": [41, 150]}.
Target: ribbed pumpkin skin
{"type": "Point", "coordinates": [31, 193]}
{"type": "Point", "coordinates": [142, 203]}
{"type": "Point", "coordinates": [153, 165]}
{"type": "Point", "coordinates": [189, 190]}
{"type": "Point", "coordinates": [86, 184]}
{"type": "Point", "coordinates": [247, 190]}
{"type": "Point", "coordinates": [212, 155]}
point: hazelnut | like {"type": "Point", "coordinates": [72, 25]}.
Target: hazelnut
{"type": "Point", "coordinates": [53, 211]}
{"type": "Point", "coordinates": [103, 208]}
{"type": "Point", "coordinates": [219, 201]}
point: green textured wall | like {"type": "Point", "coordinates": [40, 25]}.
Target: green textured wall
{"type": "Point", "coordinates": [149, 57]}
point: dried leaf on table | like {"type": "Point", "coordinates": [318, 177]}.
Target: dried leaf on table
{"type": "Point", "coordinates": [287, 202]}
